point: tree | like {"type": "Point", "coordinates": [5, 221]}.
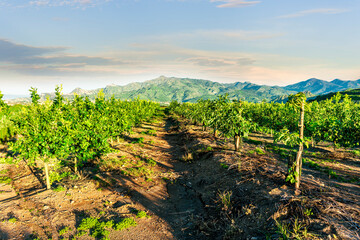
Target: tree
{"type": "Point", "coordinates": [34, 96]}
{"type": "Point", "coordinates": [59, 99]}
{"type": "Point", "coordinates": [298, 100]}
{"type": "Point", "coordinates": [233, 124]}
{"type": "Point", "coordinates": [2, 102]}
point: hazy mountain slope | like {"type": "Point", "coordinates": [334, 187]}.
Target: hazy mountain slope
{"type": "Point", "coordinates": [354, 94]}
{"type": "Point", "coordinates": [317, 86]}
{"type": "Point", "coordinates": [166, 89]}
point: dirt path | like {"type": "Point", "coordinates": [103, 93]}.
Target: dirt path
{"type": "Point", "coordinates": [29, 211]}
{"type": "Point", "coordinates": [191, 186]}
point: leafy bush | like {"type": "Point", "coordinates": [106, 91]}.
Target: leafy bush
{"type": "Point", "coordinates": [125, 223]}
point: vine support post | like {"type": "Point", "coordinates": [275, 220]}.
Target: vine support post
{"type": "Point", "coordinates": [76, 165]}
{"type": "Point", "coordinates": [47, 175]}
{"type": "Point", "coordinates": [301, 149]}
{"type": "Point", "coordinates": [237, 142]}
{"type": "Point", "coordinates": [312, 142]}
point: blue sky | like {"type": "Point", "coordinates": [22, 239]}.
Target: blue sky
{"type": "Point", "coordinates": [92, 43]}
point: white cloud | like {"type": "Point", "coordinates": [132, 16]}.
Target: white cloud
{"type": "Point", "coordinates": [54, 3]}
{"type": "Point", "coordinates": [314, 11]}
{"type": "Point", "coordinates": [49, 60]}
{"type": "Point", "coordinates": [215, 35]}
{"type": "Point", "coordinates": [235, 3]}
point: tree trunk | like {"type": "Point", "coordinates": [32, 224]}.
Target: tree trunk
{"type": "Point", "coordinates": [237, 142]}
{"type": "Point", "coordinates": [47, 175]}
{"type": "Point", "coordinates": [215, 132]}
{"type": "Point", "coordinates": [312, 142]}
{"type": "Point", "coordinates": [76, 165]}
{"type": "Point", "coordinates": [301, 149]}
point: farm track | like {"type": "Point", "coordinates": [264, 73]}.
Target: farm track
{"type": "Point", "coordinates": [182, 194]}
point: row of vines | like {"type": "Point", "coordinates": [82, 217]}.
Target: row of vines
{"type": "Point", "coordinates": [58, 132]}
{"type": "Point", "coordinates": [335, 120]}
{"type": "Point", "coordinates": [296, 122]}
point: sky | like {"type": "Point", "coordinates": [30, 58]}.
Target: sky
{"type": "Point", "coordinates": [94, 43]}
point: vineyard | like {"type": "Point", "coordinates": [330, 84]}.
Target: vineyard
{"type": "Point", "coordinates": [215, 169]}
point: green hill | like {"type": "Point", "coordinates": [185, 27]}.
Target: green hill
{"type": "Point", "coordinates": [166, 89]}
{"type": "Point", "coordinates": [354, 94]}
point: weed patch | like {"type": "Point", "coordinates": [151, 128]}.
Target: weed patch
{"type": "Point", "coordinates": [5, 180]}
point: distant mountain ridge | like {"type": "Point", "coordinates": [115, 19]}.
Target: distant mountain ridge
{"type": "Point", "coordinates": [317, 86]}
{"type": "Point", "coordinates": [354, 94]}
{"type": "Point", "coordinates": [166, 89]}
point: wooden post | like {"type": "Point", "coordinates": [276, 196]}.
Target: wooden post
{"type": "Point", "coordinates": [312, 142]}
{"type": "Point", "coordinates": [301, 149]}
{"type": "Point", "coordinates": [76, 165]}
{"type": "Point", "coordinates": [237, 142]}
{"type": "Point", "coordinates": [47, 175]}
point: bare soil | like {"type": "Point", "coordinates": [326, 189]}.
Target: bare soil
{"type": "Point", "coordinates": [193, 186]}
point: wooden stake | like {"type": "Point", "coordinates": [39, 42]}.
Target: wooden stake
{"type": "Point", "coordinates": [76, 165]}
{"type": "Point", "coordinates": [47, 176]}
{"type": "Point", "coordinates": [301, 149]}
{"type": "Point", "coordinates": [237, 142]}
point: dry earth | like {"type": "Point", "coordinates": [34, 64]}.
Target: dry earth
{"type": "Point", "coordinates": [193, 186]}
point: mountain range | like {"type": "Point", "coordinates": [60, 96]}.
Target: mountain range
{"type": "Point", "coordinates": [165, 89]}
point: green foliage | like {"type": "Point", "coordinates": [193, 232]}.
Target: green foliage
{"type": "Point", "coordinates": [57, 131]}
{"type": "Point", "coordinates": [297, 99]}
{"type": "Point", "coordinates": [311, 164]}
{"type": "Point", "coordinates": [3, 105]}
{"type": "Point", "coordinates": [139, 140]}
{"type": "Point", "coordinates": [64, 231]}
{"type": "Point", "coordinates": [356, 152]}
{"type": "Point", "coordinates": [96, 228]}
{"type": "Point", "coordinates": [251, 152]}
{"type": "Point", "coordinates": [223, 165]}
{"type": "Point", "coordinates": [166, 89]}
{"type": "Point", "coordinates": [12, 220]}
{"type": "Point", "coordinates": [59, 189]}
{"type": "Point", "coordinates": [57, 176]}
{"type": "Point", "coordinates": [225, 199]}
{"type": "Point", "coordinates": [151, 162]}
{"type": "Point", "coordinates": [125, 223]}
{"type": "Point", "coordinates": [260, 151]}
{"type": "Point", "coordinates": [150, 132]}
{"type": "Point", "coordinates": [8, 160]}
{"type": "Point", "coordinates": [87, 223]}
{"type": "Point", "coordinates": [59, 99]}
{"type": "Point", "coordinates": [295, 230]}
{"type": "Point", "coordinates": [35, 97]}
{"type": "Point", "coordinates": [308, 212]}
{"type": "Point", "coordinates": [142, 214]}
{"type": "Point", "coordinates": [290, 139]}
{"type": "Point", "coordinates": [5, 180]}
{"type": "Point", "coordinates": [314, 165]}
{"type": "Point", "coordinates": [7, 128]}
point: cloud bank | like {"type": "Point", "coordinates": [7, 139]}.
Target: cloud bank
{"type": "Point", "coordinates": [235, 3]}
{"type": "Point", "coordinates": [54, 3]}
{"type": "Point", "coordinates": [314, 11]}
{"type": "Point", "coordinates": [32, 60]}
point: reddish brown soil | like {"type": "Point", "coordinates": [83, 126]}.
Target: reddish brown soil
{"type": "Point", "coordinates": [182, 193]}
